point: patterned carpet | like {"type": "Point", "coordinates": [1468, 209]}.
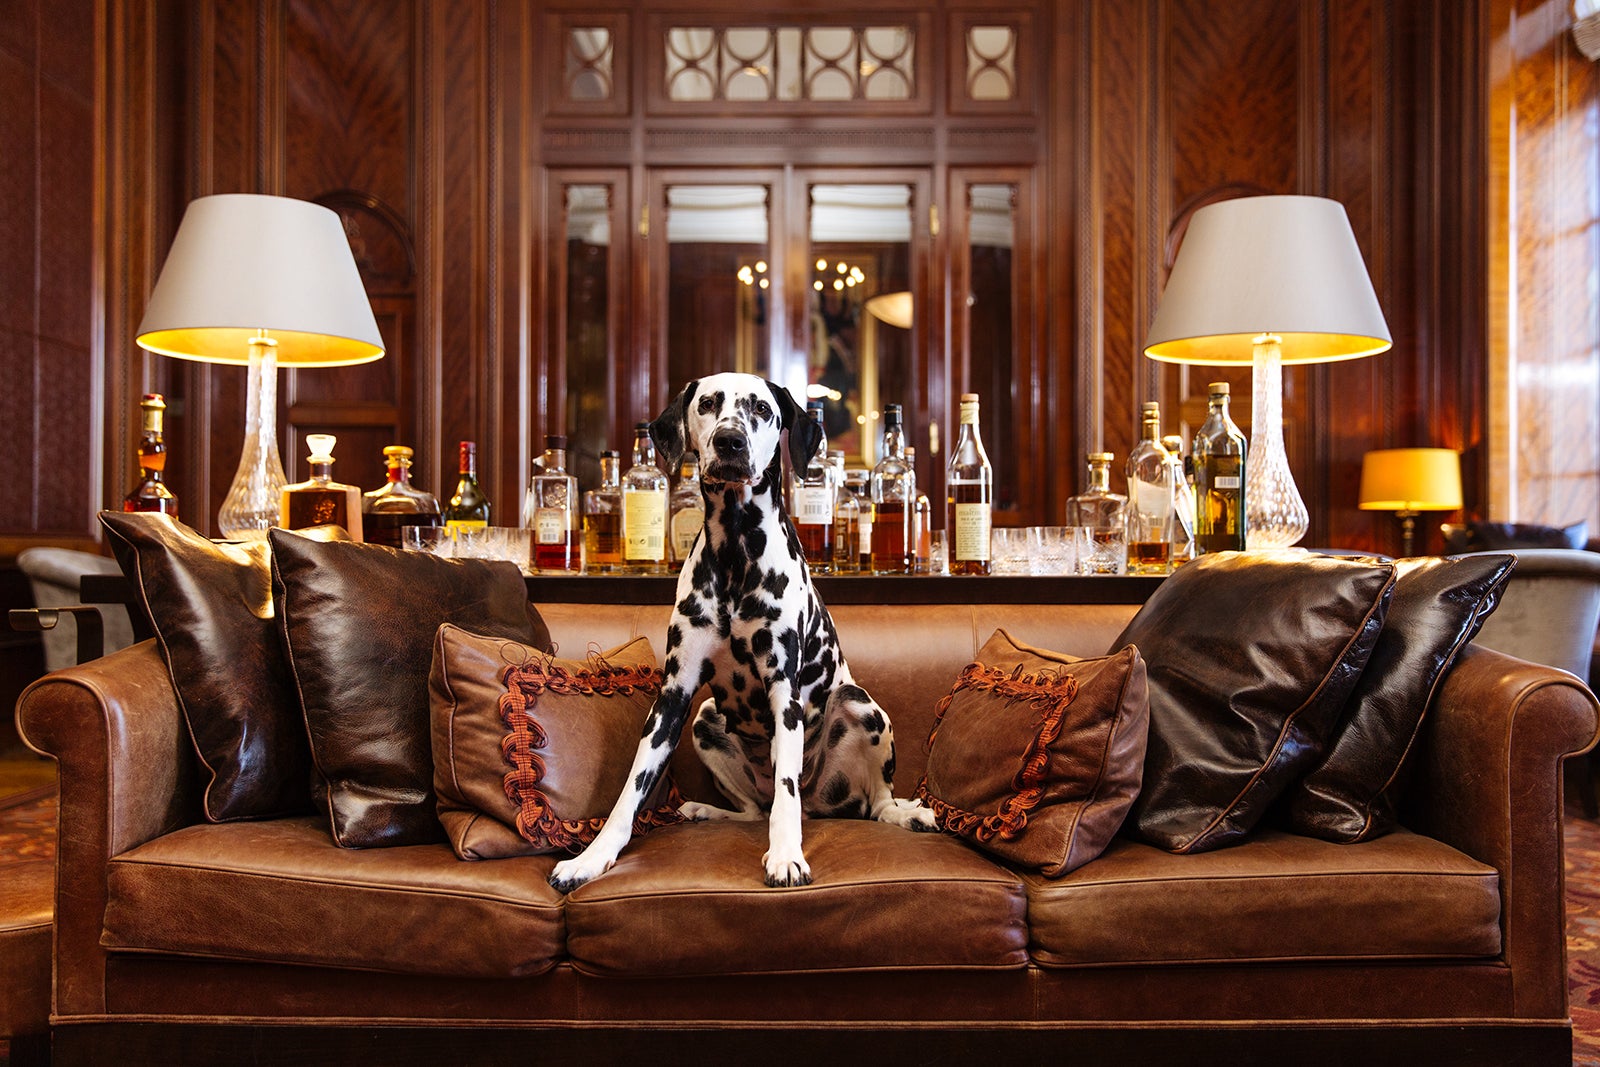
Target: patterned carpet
{"type": "Point", "coordinates": [27, 832]}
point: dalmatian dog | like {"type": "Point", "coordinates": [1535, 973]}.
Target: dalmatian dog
{"type": "Point", "coordinates": [786, 733]}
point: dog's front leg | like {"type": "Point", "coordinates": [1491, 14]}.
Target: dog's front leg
{"type": "Point", "coordinates": [785, 861]}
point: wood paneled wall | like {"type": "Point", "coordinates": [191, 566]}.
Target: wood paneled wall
{"type": "Point", "coordinates": [422, 123]}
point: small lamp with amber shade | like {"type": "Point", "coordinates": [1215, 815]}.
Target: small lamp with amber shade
{"type": "Point", "coordinates": [1408, 481]}
{"type": "Point", "coordinates": [260, 281]}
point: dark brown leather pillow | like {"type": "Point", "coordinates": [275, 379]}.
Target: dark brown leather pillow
{"type": "Point", "coordinates": [210, 606]}
{"type": "Point", "coordinates": [358, 622]}
{"type": "Point", "coordinates": [529, 751]}
{"type": "Point", "coordinates": [1439, 604]}
{"type": "Point", "coordinates": [1036, 756]}
{"type": "Point", "coordinates": [1251, 657]}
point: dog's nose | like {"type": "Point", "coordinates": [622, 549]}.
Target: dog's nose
{"type": "Point", "coordinates": [730, 444]}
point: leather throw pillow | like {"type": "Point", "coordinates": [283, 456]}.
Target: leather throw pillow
{"type": "Point", "coordinates": [358, 622]}
{"type": "Point", "coordinates": [1036, 756]}
{"type": "Point", "coordinates": [531, 751]}
{"type": "Point", "coordinates": [1251, 657]}
{"type": "Point", "coordinates": [1439, 605]}
{"type": "Point", "coordinates": [210, 606]}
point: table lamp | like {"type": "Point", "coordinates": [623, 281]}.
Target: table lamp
{"type": "Point", "coordinates": [1268, 280]}
{"type": "Point", "coordinates": [260, 281]}
{"type": "Point", "coordinates": [1410, 480]}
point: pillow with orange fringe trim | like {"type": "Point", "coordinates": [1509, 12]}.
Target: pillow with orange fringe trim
{"type": "Point", "coordinates": [1036, 756]}
{"type": "Point", "coordinates": [531, 750]}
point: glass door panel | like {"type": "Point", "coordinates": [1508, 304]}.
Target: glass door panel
{"type": "Point", "coordinates": [720, 281]}
{"type": "Point", "coordinates": [586, 337]}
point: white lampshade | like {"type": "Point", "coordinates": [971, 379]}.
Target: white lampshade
{"type": "Point", "coordinates": [242, 264]}
{"type": "Point", "coordinates": [1411, 479]}
{"type": "Point", "coordinates": [1283, 265]}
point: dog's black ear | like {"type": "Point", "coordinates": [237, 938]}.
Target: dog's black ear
{"type": "Point", "coordinates": [805, 436]}
{"type": "Point", "coordinates": [667, 431]}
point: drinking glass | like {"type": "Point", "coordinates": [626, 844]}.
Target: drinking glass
{"type": "Point", "coordinates": [1108, 551]}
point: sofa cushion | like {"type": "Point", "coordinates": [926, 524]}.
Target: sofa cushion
{"type": "Point", "coordinates": [1504, 536]}
{"type": "Point", "coordinates": [1035, 755]}
{"type": "Point", "coordinates": [531, 751]}
{"type": "Point", "coordinates": [1251, 657]}
{"type": "Point", "coordinates": [691, 900]}
{"type": "Point", "coordinates": [1438, 606]}
{"type": "Point", "coordinates": [358, 622]}
{"type": "Point", "coordinates": [210, 606]}
{"type": "Point", "coordinates": [280, 891]}
{"type": "Point", "coordinates": [1276, 896]}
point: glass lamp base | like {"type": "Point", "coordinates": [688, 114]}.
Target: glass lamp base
{"type": "Point", "coordinates": [1275, 516]}
{"type": "Point", "coordinates": [254, 499]}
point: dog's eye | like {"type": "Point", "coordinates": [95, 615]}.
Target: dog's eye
{"type": "Point", "coordinates": [707, 405]}
{"type": "Point", "coordinates": [763, 409]}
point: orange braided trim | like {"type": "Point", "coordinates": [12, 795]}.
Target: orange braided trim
{"type": "Point", "coordinates": [525, 684]}
{"type": "Point", "coordinates": [1048, 692]}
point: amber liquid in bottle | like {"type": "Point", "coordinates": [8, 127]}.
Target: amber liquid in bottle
{"type": "Point", "coordinates": [150, 493]}
{"type": "Point", "coordinates": [603, 539]}
{"type": "Point", "coordinates": [960, 494]}
{"type": "Point", "coordinates": [889, 536]}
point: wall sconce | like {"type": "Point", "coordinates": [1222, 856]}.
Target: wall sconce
{"type": "Point", "coordinates": [1410, 480]}
{"type": "Point", "coordinates": [894, 308]}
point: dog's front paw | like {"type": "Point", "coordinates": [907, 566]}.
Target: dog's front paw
{"type": "Point", "coordinates": [570, 874]}
{"type": "Point", "coordinates": [790, 871]}
{"type": "Point", "coordinates": [910, 814]}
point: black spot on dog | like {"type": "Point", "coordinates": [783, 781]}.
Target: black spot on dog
{"type": "Point", "coordinates": [854, 808]}
{"type": "Point", "coordinates": [853, 693]}
{"type": "Point", "coordinates": [646, 779]}
{"type": "Point", "coordinates": [776, 584]}
{"type": "Point", "coordinates": [788, 783]}
{"type": "Point", "coordinates": [809, 674]}
{"type": "Point", "coordinates": [888, 766]}
{"type": "Point", "coordinates": [761, 642]}
{"type": "Point", "coordinates": [711, 739]}
{"type": "Point", "coordinates": [674, 635]}
{"type": "Point", "coordinates": [874, 722]}
{"type": "Point", "coordinates": [719, 695]}
{"type": "Point", "coordinates": [836, 732]}
{"type": "Point", "coordinates": [793, 716]}
{"type": "Point", "coordinates": [671, 667]}
{"type": "Point", "coordinates": [835, 791]}
{"type": "Point", "coordinates": [708, 671]}
{"type": "Point", "coordinates": [738, 681]}
{"type": "Point", "coordinates": [763, 718]}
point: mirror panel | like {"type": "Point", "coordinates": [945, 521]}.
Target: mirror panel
{"type": "Point", "coordinates": [992, 370]}
{"type": "Point", "coordinates": [720, 279]}
{"type": "Point", "coordinates": [587, 338]}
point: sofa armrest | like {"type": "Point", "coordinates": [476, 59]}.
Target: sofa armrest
{"type": "Point", "coordinates": [1489, 783]}
{"type": "Point", "coordinates": [127, 775]}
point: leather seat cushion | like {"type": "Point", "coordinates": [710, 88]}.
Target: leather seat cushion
{"type": "Point", "coordinates": [281, 891]}
{"type": "Point", "coordinates": [1276, 896]}
{"type": "Point", "coordinates": [690, 900]}
{"type": "Point", "coordinates": [27, 913]}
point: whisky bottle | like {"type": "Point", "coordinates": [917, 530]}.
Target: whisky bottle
{"type": "Point", "coordinates": [644, 509]}
{"type": "Point", "coordinates": [969, 496]}
{"type": "Point", "coordinates": [468, 507]}
{"type": "Point", "coordinates": [858, 482]}
{"type": "Point", "coordinates": [920, 535]}
{"type": "Point", "coordinates": [894, 497]}
{"type": "Point", "coordinates": [846, 520]}
{"type": "Point", "coordinates": [1182, 499]}
{"type": "Point", "coordinates": [150, 492]}
{"type": "Point", "coordinates": [686, 509]}
{"type": "Point", "coordinates": [552, 511]}
{"type": "Point", "coordinates": [319, 500]}
{"type": "Point", "coordinates": [811, 501]}
{"type": "Point", "coordinates": [396, 504]}
{"type": "Point", "coordinates": [602, 518]}
{"type": "Point", "coordinates": [1150, 499]}
{"type": "Point", "coordinates": [1219, 478]}
{"type": "Point", "coordinates": [1105, 514]}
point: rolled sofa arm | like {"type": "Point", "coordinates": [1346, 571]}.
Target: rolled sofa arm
{"type": "Point", "coordinates": [127, 775]}
{"type": "Point", "coordinates": [1489, 782]}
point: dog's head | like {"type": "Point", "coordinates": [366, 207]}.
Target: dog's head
{"type": "Point", "coordinates": [734, 423]}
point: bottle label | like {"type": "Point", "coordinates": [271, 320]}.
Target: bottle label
{"type": "Point", "coordinates": [686, 526]}
{"type": "Point", "coordinates": [1226, 481]}
{"type": "Point", "coordinates": [972, 532]}
{"type": "Point", "coordinates": [813, 505]}
{"type": "Point", "coordinates": [644, 524]}
{"type": "Point", "coordinates": [466, 524]}
{"type": "Point", "coordinates": [550, 526]}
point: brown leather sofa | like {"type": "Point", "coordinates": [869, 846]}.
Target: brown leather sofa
{"type": "Point", "coordinates": [182, 941]}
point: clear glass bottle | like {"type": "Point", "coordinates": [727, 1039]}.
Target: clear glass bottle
{"type": "Point", "coordinates": [644, 508]}
{"type": "Point", "coordinates": [920, 535]}
{"type": "Point", "coordinates": [1219, 478]}
{"type": "Point", "coordinates": [969, 496]}
{"type": "Point", "coordinates": [551, 511]}
{"type": "Point", "coordinates": [468, 506]}
{"type": "Point", "coordinates": [319, 500]}
{"type": "Point", "coordinates": [150, 492]}
{"type": "Point", "coordinates": [1182, 500]}
{"type": "Point", "coordinates": [894, 499]}
{"type": "Point", "coordinates": [686, 509]}
{"type": "Point", "coordinates": [396, 504]}
{"type": "Point", "coordinates": [1105, 514]}
{"type": "Point", "coordinates": [811, 501]}
{"type": "Point", "coordinates": [1150, 499]}
{"type": "Point", "coordinates": [846, 520]}
{"type": "Point", "coordinates": [602, 518]}
{"type": "Point", "coordinates": [858, 482]}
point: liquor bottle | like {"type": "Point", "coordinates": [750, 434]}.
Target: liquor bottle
{"type": "Point", "coordinates": [846, 520]}
{"type": "Point", "coordinates": [858, 482]}
{"type": "Point", "coordinates": [602, 518]}
{"type": "Point", "coordinates": [644, 509]}
{"type": "Point", "coordinates": [319, 500]}
{"type": "Point", "coordinates": [1219, 478]}
{"type": "Point", "coordinates": [1182, 500]}
{"type": "Point", "coordinates": [150, 493]}
{"type": "Point", "coordinates": [969, 496]}
{"type": "Point", "coordinates": [920, 536]}
{"type": "Point", "coordinates": [468, 507]}
{"type": "Point", "coordinates": [1150, 499]}
{"type": "Point", "coordinates": [397, 503]}
{"type": "Point", "coordinates": [1105, 513]}
{"type": "Point", "coordinates": [811, 500]}
{"type": "Point", "coordinates": [686, 509]}
{"type": "Point", "coordinates": [551, 511]}
{"type": "Point", "coordinates": [894, 496]}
